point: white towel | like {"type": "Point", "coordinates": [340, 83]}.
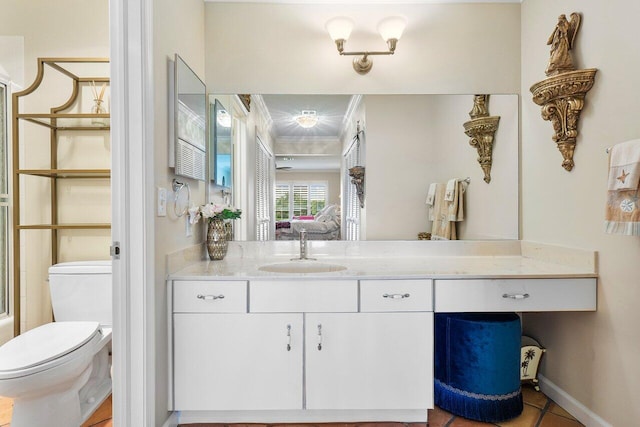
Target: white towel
{"type": "Point", "coordinates": [624, 166]}
{"type": "Point", "coordinates": [449, 193]}
{"type": "Point", "coordinates": [431, 196]}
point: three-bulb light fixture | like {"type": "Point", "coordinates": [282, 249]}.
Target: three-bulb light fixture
{"type": "Point", "coordinates": [390, 29]}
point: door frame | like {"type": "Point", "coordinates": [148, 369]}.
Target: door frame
{"type": "Point", "coordinates": [131, 53]}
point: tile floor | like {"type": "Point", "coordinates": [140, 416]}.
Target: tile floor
{"type": "Point", "coordinates": [539, 411]}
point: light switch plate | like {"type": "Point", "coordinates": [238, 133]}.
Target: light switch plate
{"type": "Point", "coordinates": [162, 201]}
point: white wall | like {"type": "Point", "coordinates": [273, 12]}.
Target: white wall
{"type": "Point", "coordinates": [178, 28]}
{"type": "Point", "coordinates": [415, 140]}
{"type": "Point", "coordinates": [592, 356]}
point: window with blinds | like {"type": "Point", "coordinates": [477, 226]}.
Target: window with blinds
{"type": "Point", "coordinates": [295, 199]}
{"type": "Point", "coordinates": [283, 210]}
{"type": "Point", "coordinates": [265, 170]}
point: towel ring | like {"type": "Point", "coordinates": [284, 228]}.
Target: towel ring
{"type": "Point", "coordinates": [177, 189]}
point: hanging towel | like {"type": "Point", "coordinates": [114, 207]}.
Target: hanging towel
{"type": "Point", "coordinates": [450, 191]}
{"type": "Point", "coordinates": [455, 207]}
{"type": "Point", "coordinates": [622, 214]}
{"type": "Point", "coordinates": [624, 166]}
{"type": "Point", "coordinates": [442, 228]}
{"type": "Point", "coordinates": [431, 195]}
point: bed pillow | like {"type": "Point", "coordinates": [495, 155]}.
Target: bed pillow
{"type": "Point", "coordinates": [304, 217]}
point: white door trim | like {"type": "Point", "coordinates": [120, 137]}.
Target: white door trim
{"type": "Point", "coordinates": [132, 163]}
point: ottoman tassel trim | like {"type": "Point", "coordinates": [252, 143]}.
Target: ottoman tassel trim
{"type": "Point", "coordinates": [480, 407]}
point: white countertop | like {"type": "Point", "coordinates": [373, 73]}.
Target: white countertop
{"type": "Point", "coordinates": [385, 260]}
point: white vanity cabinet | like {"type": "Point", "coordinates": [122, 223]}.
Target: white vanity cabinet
{"type": "Point", "coordinates": [303, 350]}
{"type": "Point", "coordinates": [237, 361]}
{"type": "Point", "coordinates": [227, 359]}
{"type": "Point", "coordinates": [369, 361]}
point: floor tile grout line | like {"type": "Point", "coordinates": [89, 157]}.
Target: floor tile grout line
{"type": "Point", "coordinates": [543, 412]}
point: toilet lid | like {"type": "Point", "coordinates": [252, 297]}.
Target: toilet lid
{"type": "Point", "coordinates": [45, 343]}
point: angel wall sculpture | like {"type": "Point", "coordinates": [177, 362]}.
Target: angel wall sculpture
{"type": "Point", "coordinates": [562, 94]}
{"type": "Point", "coordinates": [561, 41]}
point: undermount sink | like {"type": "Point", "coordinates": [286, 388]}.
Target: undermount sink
{"type": "Point", "coordinates": [302, 266]}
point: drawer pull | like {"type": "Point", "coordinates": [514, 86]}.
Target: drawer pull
{"type": "Point", "coordinates": [288, 337]}
{"type": "Point", "coordinates": [515, 296]}
{"type": "Point", "coordinates": [210, 297]}
{"type": "Point", "coordinates": [396, 296]}
{"type": "Point", "coordinates": [319, 337]}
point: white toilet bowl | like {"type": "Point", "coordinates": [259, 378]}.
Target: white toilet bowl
{"type": "Point", "coordinates": [57, 373]}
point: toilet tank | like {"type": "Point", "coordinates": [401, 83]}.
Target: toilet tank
{"type": "Point", "coordinates": [81, 290]}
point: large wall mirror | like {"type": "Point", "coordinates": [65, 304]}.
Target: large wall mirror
{"type": "Point", "coordinates": [190, 122]}
{"type": "Point", "coordinates": [406, 143]}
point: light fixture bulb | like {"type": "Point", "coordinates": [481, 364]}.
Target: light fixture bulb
{"type": "Point", "coordinates": [339, 28]}
{"type": "Point", "coordinates": [391, 28]}
{"type": "Point", "coordinates": [223, 118]}
{"type": "Point", "coordinates": [306, 119]}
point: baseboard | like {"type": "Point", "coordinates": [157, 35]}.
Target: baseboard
{"type": "Point", "coordinates": [172, 421]}
{"type": "Point", "coordinates": [570, 404]}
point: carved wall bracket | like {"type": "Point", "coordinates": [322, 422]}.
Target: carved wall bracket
{"type": "Point", "coordinates": [482, 129]}
{"type": "Point", "coordinates": [357, 178]}
{"type": "Point", "coordinates": [562, 94]}
{"type": "Point", "coordinates": [562, 99]}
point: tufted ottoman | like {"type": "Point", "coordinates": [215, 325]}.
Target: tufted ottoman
{"type": "Point", "coordinates": [477, 365]}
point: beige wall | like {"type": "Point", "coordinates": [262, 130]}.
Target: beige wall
{"type": "Point", "coordinates": [65, 28]}
{"type": "Point", "coordinates": [592, 356]}
{"type": "Point", "coordinates": [284, 48]}
{"type": "Point", "coordinates": [412, 141]}
{"type": "Point", "coordinates": [178, 28]}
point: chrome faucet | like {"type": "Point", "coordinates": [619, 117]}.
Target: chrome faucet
{"type": "Point", "coordinates": [303, 247]}
{"type": "Point", "coordinates": [303, 244]}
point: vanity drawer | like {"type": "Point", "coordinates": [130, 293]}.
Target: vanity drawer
{"type": "Point", "coordinates": [577, 294]}
{"type": "Point", "coordinates": [396, 295]}
{"type": "Point", "coordinates": [274, 296]}
{"type": "Point", "coordinates": [205, 296]}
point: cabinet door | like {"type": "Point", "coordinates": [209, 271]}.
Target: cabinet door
{"type": "Point", "coordinates": [369, 361]}
{"type": "Point", "coordinates": [237, 361]}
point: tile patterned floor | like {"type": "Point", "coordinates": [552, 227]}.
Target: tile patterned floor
{"type": "Point", "coordinates": [539, 411]}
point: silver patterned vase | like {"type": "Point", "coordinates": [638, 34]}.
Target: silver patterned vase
{"type": "Point", "coordinates": [217, 242]}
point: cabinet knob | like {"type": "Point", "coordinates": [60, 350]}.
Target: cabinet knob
{"type": "Point", "coordinates": [396, 296]}
{"type": "Point", "coordinates": [209, 297]}
{"type": "Point", "coordinates": [515, 296]}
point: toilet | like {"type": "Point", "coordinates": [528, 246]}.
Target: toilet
{"type": "Point", "coordinates": [59, 373]}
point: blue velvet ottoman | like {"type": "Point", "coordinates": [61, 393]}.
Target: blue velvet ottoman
{"type": "Point", "coordinates": [477, 365]}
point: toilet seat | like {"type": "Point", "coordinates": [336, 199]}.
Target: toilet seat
{"type": "Point", "coordinates": [46, 347]}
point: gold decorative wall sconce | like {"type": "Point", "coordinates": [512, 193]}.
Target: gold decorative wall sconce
{"type": "Point", "coordinates": [482, 129]}
{"type": "Point", "coordinates": [390, 29]}
{"type": "Point", "coordinates": [357, 178]}
{"type": "Point", "coordinates": [561, 95]}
